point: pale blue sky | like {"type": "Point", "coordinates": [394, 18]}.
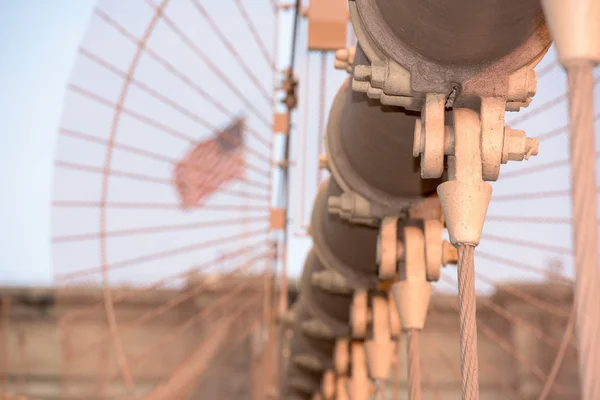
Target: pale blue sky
{"type": "Point", "coordinates": [38, 43]}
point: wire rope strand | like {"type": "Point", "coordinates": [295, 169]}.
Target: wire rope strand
{"type": "Point", "coordinates": [469, 360]}
{"type": "Point", "coordinates": [414, 364]}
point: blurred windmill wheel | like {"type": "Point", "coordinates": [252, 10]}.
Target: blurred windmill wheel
{"type": "Point", "coordinates": [162, 232]}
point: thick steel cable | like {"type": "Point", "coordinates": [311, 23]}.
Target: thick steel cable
{"type": "Point", "coordinates": [585, 225]}
{"type": "Point", "coordinates": [414, 364]}
{"type": "Point", "coordinates": [467, 313]}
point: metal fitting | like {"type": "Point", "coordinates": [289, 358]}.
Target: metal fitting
{"type": "Point", "coordinates": [522, 84]}
{"type": "Point", "coordinates": [517, 146]}
{"type": "Point", "coordinates": [498, 144]}
{"type": "Point", "coordinates": [430, 140]}
{"type": "Point", "coordinates": [344, 59]}
{"type": "Point", "coordinates": [379, 346]}
{"type": "Point", "coordinates": [323, 161]}
{"type": "Point", "coordinates": [449, 254]}
{"type": "Point", "coordinates": [331, 281]}
{"type": "Point", "coordinates": [356, 209]}
{"type": "Point", "coordinates": [318, 329]}
{"type": "Point", "coordinates": [289, 318]}
{"type": "Point", "coordinates": [309, 362]}
{"type": "Point", "coordinates": [387, 81]}
{"type": "Point", "coordinates": [390, 250]}
{"type": "Point", "coordinates": [352, 207]}
{"type": "Point", "coordinates": [413, 293]}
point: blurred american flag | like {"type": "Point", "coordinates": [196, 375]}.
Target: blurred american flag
{"type": "Point", "coordinates": [211, 164]}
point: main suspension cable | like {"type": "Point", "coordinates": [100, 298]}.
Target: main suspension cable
{"type": "Point", "coordinates": [585, 226]}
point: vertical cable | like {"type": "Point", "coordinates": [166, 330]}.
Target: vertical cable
{"type": "Point", "coordinates": [322, 111]}
{"type": "Point", "coordinates": [396, 371]}
{"type": "Point", "coordinates": [469, 360]}
{"type": "Point", "coordinates": [271, 270]}
{"type": "Point", "coordinates": [585, 229]}
{"type": "Point", "coordinates": [414, 364]}
{"type": "Point", "coordinates": [284, 200]}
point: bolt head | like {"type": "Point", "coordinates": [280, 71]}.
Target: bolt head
{"type": "Point", "coordinates": [362, 72]}
{"type": "Point", "coordinates": [323, 163]}
{"type": "Point", "coordinates": [342, 54]}
{"type": "Point", "coordinates": [518, 145]}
